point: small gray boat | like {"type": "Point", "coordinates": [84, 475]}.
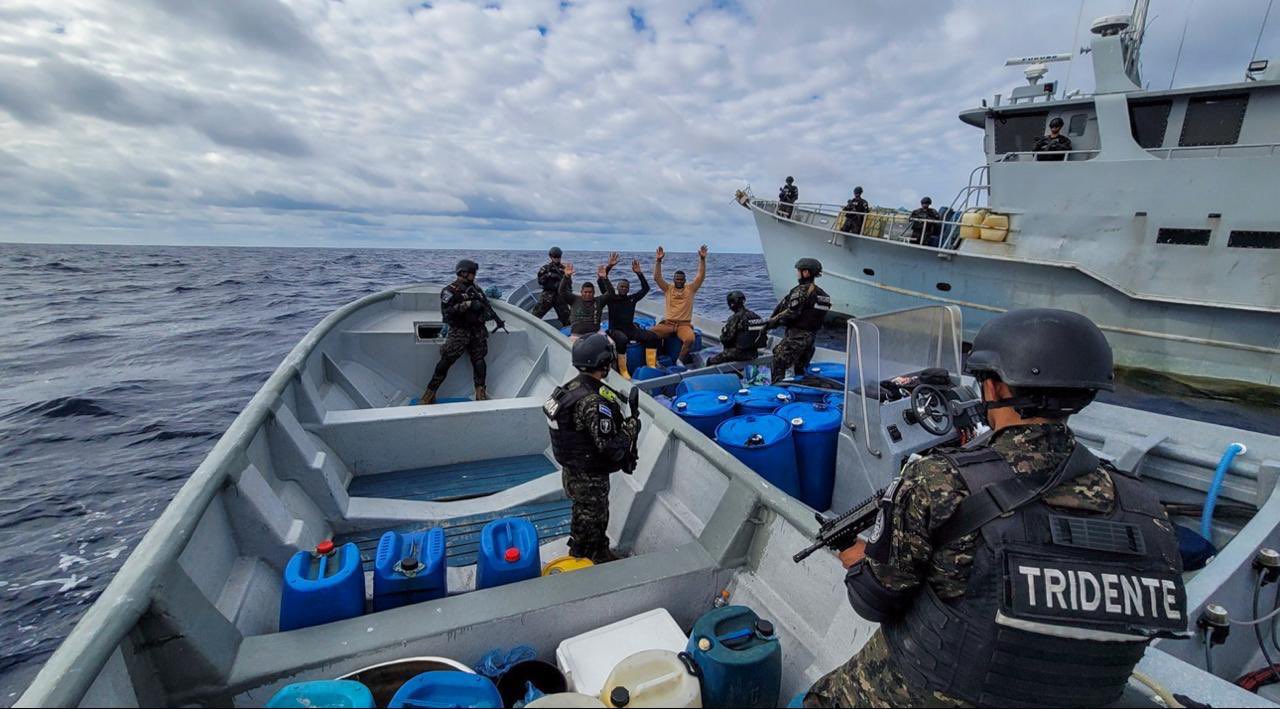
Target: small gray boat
{"type": "Point", "coordinates": [328, 449]}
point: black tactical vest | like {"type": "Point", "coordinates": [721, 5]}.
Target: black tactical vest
{"type": "Point", "coordinates": [1060, 606]}
{"type": "Point", "coordinates": [573, 447]}
{"type": "Point", "coordinates": [752, 336]}
{"type": "Point", "coordinates": [814, 313]}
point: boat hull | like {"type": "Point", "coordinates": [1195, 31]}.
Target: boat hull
{"type": "Point", "coordinates": [870, 275]}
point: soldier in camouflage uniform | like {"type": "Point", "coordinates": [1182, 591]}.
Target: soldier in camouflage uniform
{"type": "Point", "coordinates": [465, 308]}
{"type": "Point", "coordinates": [743, 333]}
{"type": "Point", "coordinates": [924, 223]}
{"type": "Point", "coordinates": [906, 556]}
{"type": "Point", "coordinates": [787, 197]}
{"type": "Point", "coordinates": [855, 210]}
{"type": "Point", "coordinates": [549, 277]}
{"type": "Point", "coordinates": [591, 439]}
{"type": "Point", "coordinates": [801, 311]}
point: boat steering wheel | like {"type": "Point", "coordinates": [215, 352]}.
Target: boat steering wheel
{"type": "Point", "coordinates": [929, 405]}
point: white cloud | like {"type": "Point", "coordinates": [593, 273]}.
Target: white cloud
{"type": "Point", "coordinates": [445, 122]}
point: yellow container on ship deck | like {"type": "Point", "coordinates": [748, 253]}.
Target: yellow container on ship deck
{"type": "Point", "coordinates": [565, 564]}
{"type": "Point", "coordinates": [995, 227]}
{"type": "Point", "coordinates": [971, 223]}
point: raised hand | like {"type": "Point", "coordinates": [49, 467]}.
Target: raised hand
{"type": "Point", "coordinates": [613, 259]}
{"type": "Point", "coordinates": [601, 272]}
{"type": "Point", "coordinates": [702, 252]}
{"type": "Point", "coordinates": [635, 265]}
{"type": "Point", "coordinates": [661, 252]}
{"type": "Point", "coordinates": [568, 269]}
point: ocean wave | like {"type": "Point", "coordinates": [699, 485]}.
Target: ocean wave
{"type": "Point", "coordinates": [65, 268]}
{"type": "Point", "coordinates": [63, 407]}
{"type": "Point", "coordinates": [184, 289]}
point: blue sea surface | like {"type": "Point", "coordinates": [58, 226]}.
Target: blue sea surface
{"type": "Point", "coordinates": [122, 366]}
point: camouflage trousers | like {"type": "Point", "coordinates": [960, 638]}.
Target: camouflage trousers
{"type": "Point", "coordinates": [549, 300]}
{"type": "Point", "coordinates": [589, 527]}
{"type": "Point", "coordinates": [794, 352]}
{"type": "Point", "coordinates": [733, 354]}
{"type": "Point", "coordinates": [472, 341]}
{"type": "Point", "coordinates": [870, 679]}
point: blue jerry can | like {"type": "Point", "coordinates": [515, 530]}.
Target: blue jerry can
{"type": "Point", "coordinates": [327, 693]}
{"type": "Point", "coordinates": [816, 428]}
{"type": "Point", "coordinates": [704, 410]}
{"type": "Point", "coordinates": [739, 656]}
{"type": "Point", "coordinates": [322, 586]}
{"type": "Point", "coordinates": [447, 689]}
{"type": "Point", "coordinates": [409, 568]}
{"type": "Point", "coordinates": [508, 553]}
{"type": "Point", "coordinates": [765, 444]}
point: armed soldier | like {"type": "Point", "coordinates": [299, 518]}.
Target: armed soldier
{"type": "Point", "coordinates": [1054, 142]}
{"type": "Point", "coordinates": [549, 277]}
{"type": "Point", "coordinates": [787, 197]}
{"type": "Point", "coordinates": [465, 309]}
{"type": "Point", "coordinates": [1043, 591]}
{"type": "Point", "coordinates": [925, 226]}
{"type": "Point", "coordinates": [591, 439]}
{"type": "Point", "coordinates": [801, 311]}
{"type": "Point", "coordinates": [855, 212]}
{"type": "Point", "coordinates": [743, 334]}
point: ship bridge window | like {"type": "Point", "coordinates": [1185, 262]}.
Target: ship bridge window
{"type": "Point", "coordinates": [1213, 120]}
{"type": "Point", "coordinates": [1254, 240]}
{"type": "Point", "coordinates": [1148, 120]}
{"type": "Point", "coordinates": [1018, 133]}
{"type": "Point", "coordinates": [1183, 237]}
{"type": "Point", "coordinates": [1077, 125]}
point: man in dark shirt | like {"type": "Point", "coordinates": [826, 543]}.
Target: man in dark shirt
{"type": "Point", "coordinates": [1054, 142]}
{"type": "Point", "coordinates": [855, 211]}
{"type": "Point", "coordinates": [925, 226]}
{"type": "Point", "coordinates": [621, 305]}
{"type": "Point", "coordinates": [787, 197]}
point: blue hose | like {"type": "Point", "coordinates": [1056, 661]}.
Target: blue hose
{"type": "Point", "coordinates": [1211, 499]}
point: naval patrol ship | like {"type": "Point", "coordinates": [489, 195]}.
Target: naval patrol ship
{"type": "Point", "coordinates": [1159, 224]}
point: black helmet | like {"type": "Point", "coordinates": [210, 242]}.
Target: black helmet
{"type": "Point", "coordinates": [736, 299]}
{"type": "Point", "coordinates": [555, 252]}
{"type": "Point", "coordinates": [857, 190]}
{"type": "Point", "coordinates": [1055, 360]}
{"type": "Point", "coordinates": [790, 179]}
{"type": "Point", "coordinates": [813, 265]}
{"type": "Point", "coordinates": [926, 201]}
{"type": "Point", "coordinates": [593, 352]}
{"type": "Point", "coordinates": [1055, 123]}
{"type": "Point", "coordinates": [466, 265]}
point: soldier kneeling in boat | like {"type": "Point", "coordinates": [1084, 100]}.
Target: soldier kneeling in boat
{"type": "Point", "coordinates": [590, 438]}
{"type": "Point", "coordinates": [465, 309]}
{"type": "Point", "coordinates": [1044, 590]}
{"type": "Point", "coordinates": [743, 334]}
{"type": "Point", "coordinates": [801, 311]}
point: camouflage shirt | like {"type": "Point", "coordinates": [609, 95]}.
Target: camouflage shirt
{"type": "Point", "coordinates": [931, 489]}
{"type": "Point", "coordinates": [600, 415]}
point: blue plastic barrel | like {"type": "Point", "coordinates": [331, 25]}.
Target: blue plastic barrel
{"type": "Point", "coordinates": [723, 383]}
{"type": "Point", "coordinates": [762, 399]}
{"type": "Point", "coordinates": [835, 400]}
{"type": "Point", "coordinates": [334, 693]}
{"type": "Point", "coordinates": [742, 661]}
{"type": "Point", "coordinates": [566, 330]}
{"type": "Point", "coordinates": [644, 321]}
{"type": "Point", "coordinates": [816, 428]}
{"type": "Point", "coordinates": [322, 586]}
{"type": "Point", "coordinates": [508, 553]}
{"type": "Point", "coordinates": [808, 393]}
{"type": "Point", "coordinates": [640, 374]}
{"type": "Point", "coordinates": [827, 370]}
{"type": "Point", "coordinates": [447, 688]}
{"type": "Point", "coordinates": [704, 410]}
{"type": "Point", "coordinates": [409, 568]}
{"type": "Point", "coordinates": [764, 443]}
{"type": "Point", "coordinates": [635, 355]}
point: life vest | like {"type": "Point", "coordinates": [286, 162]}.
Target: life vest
{"type": "Point", "coordinates": [571, 446]}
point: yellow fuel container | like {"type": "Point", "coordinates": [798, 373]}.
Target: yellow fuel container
{"type": "Point", "coordinates": [995, 227]}
{"type": "Point", "coordinates": [971, 223]}
{"type": "Point", "coordinates": [565, 564]}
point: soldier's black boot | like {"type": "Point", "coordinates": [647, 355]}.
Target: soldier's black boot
{"type": "Point", "coordinates": [482, 394]}
{"type": "Point", "coordinates": [428, 397]}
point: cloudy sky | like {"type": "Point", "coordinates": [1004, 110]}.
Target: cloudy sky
{"type": "Point", "coordinates": [512, 124]}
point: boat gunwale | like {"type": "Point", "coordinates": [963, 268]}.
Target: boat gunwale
{"type": "Point", "coordinates": [70, 672]}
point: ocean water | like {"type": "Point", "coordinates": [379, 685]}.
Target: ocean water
{"type": "Point", "coordinates": [123, 365]}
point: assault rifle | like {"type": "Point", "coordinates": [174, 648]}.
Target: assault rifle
{"type": "Point", "coordinates": [840, 533]}
{"type": "Point", "coordinates": [489, 312]}
{"type": "Point", "coordinates": [633, 398]}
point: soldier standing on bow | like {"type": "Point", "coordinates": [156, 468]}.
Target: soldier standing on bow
{"type": "Point", "coordinates": [855, 212]}
{"type": "Point", "coordinates": [465, 308]}
{"type": "Point", "coordinates": [549, 277]}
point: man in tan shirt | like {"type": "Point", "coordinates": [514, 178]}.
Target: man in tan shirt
{"type": "Point", "coordinates": [677, 317]}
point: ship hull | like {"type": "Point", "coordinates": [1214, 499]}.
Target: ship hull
{"type": "Point", "coordinates": [870, 275]}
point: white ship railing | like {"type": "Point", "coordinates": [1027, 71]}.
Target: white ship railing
{"type": "Point", "coordinates": [891, 225]}
{"type": "Point", "coordinates": [1049, 156]}
{"type": "Point", "coordinates": [1247, 150]}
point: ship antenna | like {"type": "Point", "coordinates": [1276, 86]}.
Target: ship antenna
{"type": "Point", "coordinates": [1178, 59]}
{"type": "Point", "coordinates": [1074, 38]}
{"type": "Point", "coordinates": [1260, 31]}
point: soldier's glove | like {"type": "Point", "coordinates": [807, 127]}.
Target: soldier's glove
{"type": "Point", "coordinates": [475, 305]}
{"type": "Point", "coordinates": [631, 426]}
